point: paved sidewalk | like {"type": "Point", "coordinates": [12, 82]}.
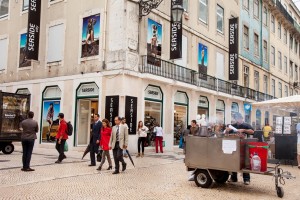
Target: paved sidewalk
{"type": "Point", "coordinates": [156, 176]}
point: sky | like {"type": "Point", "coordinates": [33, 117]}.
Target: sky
{"type": "Point", "coordinates": [297, 2]}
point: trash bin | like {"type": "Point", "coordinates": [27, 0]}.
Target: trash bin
{"type": "Point", "coordinates": [261, 149]}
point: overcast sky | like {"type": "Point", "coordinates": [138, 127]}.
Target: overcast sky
{"type": "Point", "coordinates": [297, 2]}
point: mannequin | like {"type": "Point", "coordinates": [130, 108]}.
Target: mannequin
{"type": "Point", "coordinates": [203, 120]}
{"type": "Point", "coordinates": [198, 119]}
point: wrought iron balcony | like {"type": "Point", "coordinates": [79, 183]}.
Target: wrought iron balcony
{"type": "Point", "coordinates": [172, 71]}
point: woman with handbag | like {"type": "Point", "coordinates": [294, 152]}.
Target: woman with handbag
{"type": "Point", "coordinates": [159, 138]}
{"type": "Point", "coordinates": [142, 133]}
{"type": "Point", "coordinates": [104, 143]}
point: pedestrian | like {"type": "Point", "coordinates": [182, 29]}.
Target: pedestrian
{"type": "Point", "coordinates": [61, 137]}
{"type": "Point", "coordinates": [194, 128]}
{"type": "Point", "coordinates": [118, 142]}
{"type": "Point", "coordinates": [298, 144]}
{"type": "Point", "coordinates": [158, 138]}
{"type": "Point", "coordinates": [124, 122]}
{"type": "Point", "coordinates": [104, 143]}
{"type": "Point", "coordinates": [29, 129]}
{"type": "Point", "coordinates": [95, 139]}
{"type": "Point", "coordinates": [267, 130]}
{"type": "Point", "coordinates": [142, 133]}
{"type": "Point", "coordinates": [241, 129]}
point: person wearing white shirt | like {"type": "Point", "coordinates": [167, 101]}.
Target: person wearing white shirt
{"type": "Point", "coordinates": [298, 144]}
{"type": "Point", "coordinates": [158, 138]}
{"type": "Point", "coordinates": [142, 133]}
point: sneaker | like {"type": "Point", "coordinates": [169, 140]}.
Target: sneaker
{"type": "Point", "coordinates": [247, 182]}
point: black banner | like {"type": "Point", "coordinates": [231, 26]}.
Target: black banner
{"type": "Point", "coordinates": [233, 49]}
{"type": "Point", "coordinates": [111, 108]}
{"type": "Point", "coordinates": [176, 35]}
{"type": "Point", "coordinates": [33, 30]}
{"type": "Point", "coordinates": [131, 114]}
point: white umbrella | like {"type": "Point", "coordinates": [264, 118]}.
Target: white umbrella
{"type": "Point", "coordinates": [291, 103]}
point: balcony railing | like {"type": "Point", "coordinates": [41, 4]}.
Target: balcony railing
{"type": "Point", "coordinates": [172, 71]}
{"type": "Point", "coordinates": [284, 12]}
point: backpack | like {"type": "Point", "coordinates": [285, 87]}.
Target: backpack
{"type": "Point", "coordinates": [69, 128]}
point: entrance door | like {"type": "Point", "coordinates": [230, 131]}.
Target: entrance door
{"type": "Point", "coordinates": [83, 122]}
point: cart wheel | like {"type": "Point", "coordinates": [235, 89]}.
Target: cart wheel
{"type": "Point", "coordinates": [280, 191]}
{"type": "Point", "coordinates": [202, 178]}
{"type": "Point", "coordinates": [222, 177]}
{"type": "Point", "coordinates": [8, 149]}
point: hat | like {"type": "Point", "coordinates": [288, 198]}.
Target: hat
{"type": "Point", "coordinates": [61, 115]}
{"type": "Point", "coordinates": [238, 116]}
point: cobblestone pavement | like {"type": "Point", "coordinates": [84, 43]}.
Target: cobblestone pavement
{"type": "Point", "coordinates": [156, 176]}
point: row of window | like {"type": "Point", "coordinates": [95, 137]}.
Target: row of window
{"type": "Point", "coordinates": [286, 90]}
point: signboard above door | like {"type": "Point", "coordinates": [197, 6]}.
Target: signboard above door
{"type": "Point", "coordinates": [88, 89]}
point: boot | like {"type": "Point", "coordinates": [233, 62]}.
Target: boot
{"type": "Point", "coordinates": [138, 155]}
{"type": "Point", "coordinates": [142, 155]}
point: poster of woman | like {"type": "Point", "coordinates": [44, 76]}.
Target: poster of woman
{"type": "Point", "coordinates": [50, 121]}
{"type": "Point", "coordinates": [23, 62]}
{"type": "Point", "coordinates": [154, 42]}
{"type": "Point", "coordinates": [202, 61]}
{"type": "Point", "coordinates": [90, 36]}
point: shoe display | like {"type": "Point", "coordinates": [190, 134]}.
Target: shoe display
{"type": "Point", "coordinates": [124, 167]}
{"type": "Point", "coordinates": [115, 172]}
{"type": "Point", "coordinates": [109, 168]}
{"type": "Point", "coordinates": [247, 182]}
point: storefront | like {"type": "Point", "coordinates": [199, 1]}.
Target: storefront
{"type": "Point", "coordinates": [234, 110]}
{"type": "Point", "coordinates": [258, 120]}
{"type": "Point", "coordinates": [50, 108]}
{"type": "Point", "coordinates": [87, 105]}
{"type": "Point", "coordinates": [153, 109]}
{"type": "Point", "coordinates": [220, 112]}
{"type": "Point", "coordinates": [181, 104]}
{"type": "Point", "coordinates": [203, 107]}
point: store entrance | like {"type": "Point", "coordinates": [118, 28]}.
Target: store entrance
{"type": "Point", "coordinates": [86, 109]}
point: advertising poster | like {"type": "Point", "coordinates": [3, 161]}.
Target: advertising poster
{"type": "Point", "coordinates": [90, 36]}
{"type": "Point", "coordinates": [23, 62]}
{"type": "Point", "coordinates": [154, 43]}
{"type": "Point", "coordinates": [111, 108]}
{"type": "Point", "coordinates": [176, 34]}
{"type": "Point", "coordinates": [50, 121]}
{"type": "Point", "coordinates": [131, 114]}
{"type": "Point", "coordinates": [202, 61]}
{"type": "Point", "coordinates": [233, 49]}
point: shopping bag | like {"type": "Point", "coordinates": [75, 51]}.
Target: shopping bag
{"type": "Point", "coordinates": [66, 148]}
{"type": "Point", "coordinates": [99, 155]}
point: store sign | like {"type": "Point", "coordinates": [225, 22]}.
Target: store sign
{"type": "Point", "coordinates": [181, 97]}
{"type": "Point", "coordinates": [131, 114]}
{"type": "Point", "coordinates": [247, 107]}
{"type": "Point", "coordinates": [233, 49]}
{"type": "Point", "coordinates": [153, 92]}
{"type": "Point", "coordinates": [90, 89]}
{"type": "Point", "coordinates": [176, 35]}
{"type": "Point", "coordinates": [111, 108]}
{"type": "Point", "coordinates": [33, 29]}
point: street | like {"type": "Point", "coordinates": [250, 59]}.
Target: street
{"type": "Point", "coordinates": [156, 176]}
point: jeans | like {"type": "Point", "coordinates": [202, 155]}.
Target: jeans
{"type": "Point", "coordinates": [27, 146]}
{"type": "Point", "coordinates": [141, 140]}
{"type": "Point", "coordinates": [159, 141]}
{"type": "Point", "coordinates": [118, 156]}
{"type": "Point", "coordinates": [246, 176]}
{"type": "Point", "coordinates": [105, 153]}
{"type": "Point", "coordinates": [61, 149]}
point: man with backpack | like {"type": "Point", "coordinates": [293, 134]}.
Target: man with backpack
{"type": "Point", "coordinates": [61, 137]}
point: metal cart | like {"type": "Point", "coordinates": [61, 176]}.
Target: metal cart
{"type": "Point", "coordinates": [205, 156]}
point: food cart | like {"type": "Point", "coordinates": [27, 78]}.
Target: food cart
{"type": "Point", "coordinates": [13, 109]}
{"type": "Point", "coordinates": [214, 159]}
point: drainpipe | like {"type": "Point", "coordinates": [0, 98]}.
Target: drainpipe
{"type": "Point", "coordinates": [261, 35]}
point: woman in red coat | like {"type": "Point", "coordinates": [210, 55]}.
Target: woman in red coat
{"type": "Point", "coordinates": [104, 143]}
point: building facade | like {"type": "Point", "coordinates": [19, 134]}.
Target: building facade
{"type": "Point", "coordinates": [101, 57]}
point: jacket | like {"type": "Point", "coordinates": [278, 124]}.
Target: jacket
{"type": "Point", "coordinates": [123, 137]}
{"type": "Point", "coordinates": [30, 128]}
{"type": "Point", "coordinates": [96, 129]}
{"type": "Point", "coordinates": [105, 138]}
{"type": "Point", "coordinates": [62, 130]}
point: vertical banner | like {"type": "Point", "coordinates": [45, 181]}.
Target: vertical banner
{"type": "Point", "coordinates": [202, 61]}
{"type": "Point", "coordinates": [233, 49]}
{"type": "Point", "coordinates": [111, 108]}
{"type": "Point", "coordinates": [131, 114]}
{"type": "Point", "coordinates": [154, 43]}
{"type": "Point", "coordinates": [90, 36]}
{"type": "Point", "coordinates": [176, 35]}
{"type": "Point", "coordinates": [33, 29]}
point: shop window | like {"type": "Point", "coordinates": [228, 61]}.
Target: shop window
{"type": "Point", "coordinates": [203, 107]}
{"type": "Point", "coordinates": [50, 109]}
{"type": "Point", "coordinates": [220, 112]}
{"type": "Point", "coordinates": [153, 110]}
{"type": "Point", "coordinates": [234, 110]}
{"type": "Point", "coordinates": [180, 115]}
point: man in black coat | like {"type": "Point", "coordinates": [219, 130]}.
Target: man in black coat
{"type": "Point", "coordinates": [95, 139]}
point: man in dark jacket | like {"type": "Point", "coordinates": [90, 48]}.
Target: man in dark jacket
{"type": "Point", "coordinates": [95, 139]}
{"type": "Point", "coordinates": [30, 128]}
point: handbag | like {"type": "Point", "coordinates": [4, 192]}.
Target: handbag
{"type": "Point", "coordinates": [66, 147]}
{"type": "Point", "coordinates": [181, 142]}
{"type": "Point", "coordinates": [99, 155]}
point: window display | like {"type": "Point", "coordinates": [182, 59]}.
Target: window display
{"type": "Point", "coordinates": [180, 114]}
{"type": "Point", "coordinates": [152, 116]}
{"type": "Point", "coordinates": [220, 112]}
{"type": "Point", "coordinates": [203, 107]}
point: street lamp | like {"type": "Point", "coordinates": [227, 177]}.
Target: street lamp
{"type": "Point", "coordinates": [147, 5]}
{"type": "Point", "coordinates": [177, 11]}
